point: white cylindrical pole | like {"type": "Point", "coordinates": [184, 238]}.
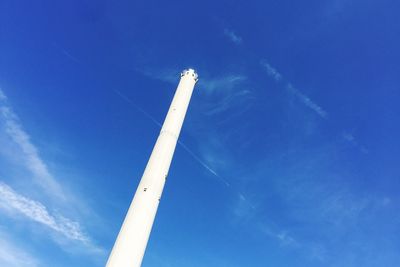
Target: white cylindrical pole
{"type": "Point", "coordinates": [130, 245]}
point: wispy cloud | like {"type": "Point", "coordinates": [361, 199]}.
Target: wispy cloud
{"type": "Point", "coordinates": [245, 211]}
{"type": "Point", "coordinates": [220, 85]}
{"type": "Point", "coordinates": [283, 237]}
{"type": "Point", "coordinates": [343, 209]}
{"type": "Point", "coordinates": [2, 95]}
{"type": "Point", "coordinates": [236, 39]}
{"type": "Point", "coordinates": [208, 85]}
{"type": "Point", "coordinates": [229, 101]}
{"type": "Point", "coordinates": [12, 256]}
{"type": "Point", "coordinates": [350, 138]}
{"type": "Point", "coordinates": [169, 75]}
{"type": "Point", "coordinates": [227, 95]}
{"type": "Point", "coordinates": [304, 99]}
{"type": "Point", "coordinates": [28, 151]}
{"type": "Point", "coordinates": [22, 151]}
{"type": "Point", "coordinates": [223, 93]}
{"type": "Point", "coordinates": [13, 202]}
{"type": "Point", "coordinates": [327, 202]}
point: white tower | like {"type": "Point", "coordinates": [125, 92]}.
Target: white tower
{"type": "Point", "coordinates": [129, 248]}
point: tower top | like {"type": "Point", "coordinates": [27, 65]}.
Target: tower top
{"type": "Point", "coordinates": [190, 72]}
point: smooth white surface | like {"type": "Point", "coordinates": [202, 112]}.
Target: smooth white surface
{"type": "Point", "coordinates": [129, 248]}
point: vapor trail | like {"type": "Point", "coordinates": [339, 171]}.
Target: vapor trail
{"type": "Point", "coordinates": [196, 158]}
{"type": "Point", "coordinates": [138, 108]}
{"type": "Point", "coordinates": [188, 150]}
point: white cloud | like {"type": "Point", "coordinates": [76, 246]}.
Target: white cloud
{"type": "Point", "coordinates": [283, 237]}
{"type": "Point", "coordinates": [169, 75]}
{"type": "Point", "coordinates": [236, 39]}
{"type": "Point", "coordinates": [350, 138]}
{"type": "Point", "coordinates": [12, 256]}
{"type": "Point", "coordinates": [229, 101]}
{"type": "Point", "coordinates": [223, 92]}
{"type": "Point", "coordinates": [28, 151]}
{"type": "Point", "coordinates": [21, 150]}
{"type": "Point", "coordinates": [246, 212]}
{"type": "Point", "coordinates": [386, 201]}
{"type": "Point", "coordinates": [342, 208]}
{"type": "Point", "coordinates": [222, 84]}
{"type": "Point", "coordinates": [13, 202]}
{"type": "Point", "coordinates": [2, 95]}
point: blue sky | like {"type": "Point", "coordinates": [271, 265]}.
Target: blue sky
{"type": "Point", "coordinates": [289, 154]}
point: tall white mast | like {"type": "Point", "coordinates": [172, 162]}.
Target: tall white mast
{"type": "Point", "coordinates": [129, 248]}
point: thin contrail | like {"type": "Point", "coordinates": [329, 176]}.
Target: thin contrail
{"type": "Point", "coordinates": [138, 108]}
{"type": "Point", "coordinates": [185, 147]}
{"type": "Point", "coordinates": [195, 157]}
{"type": "Point", "coordinates": [65, 52]}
